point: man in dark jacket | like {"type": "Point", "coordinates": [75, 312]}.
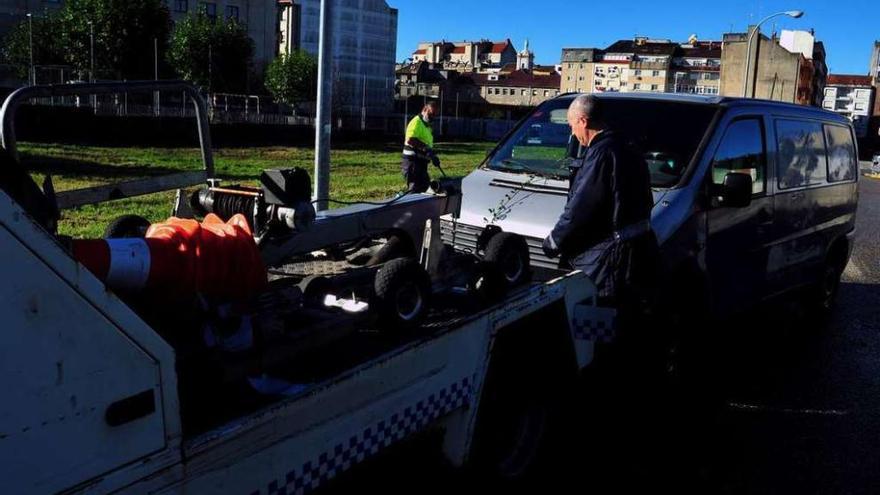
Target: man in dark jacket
{"type": "Point", "coordinates": [605, 229]}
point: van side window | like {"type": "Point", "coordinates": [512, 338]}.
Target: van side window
{"type": "Point", "coordinates": [742, 150]}
{"type": "Point", "coordinates": [800, 156]}
{"type": "Point", "coordinates": [841, 153]}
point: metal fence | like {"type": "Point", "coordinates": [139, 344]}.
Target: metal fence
{"type": "Point", "coordinates": [261, 110]}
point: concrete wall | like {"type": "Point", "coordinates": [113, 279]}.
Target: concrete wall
{"type": "Point", "coordinates": [517, 96]}
{"type": "Point", "coordinates": [778, 70]}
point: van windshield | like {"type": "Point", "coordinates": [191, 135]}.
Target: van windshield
{"type": "Point", "coordinates": [667, 133]}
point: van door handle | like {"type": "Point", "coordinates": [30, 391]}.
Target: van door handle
{"type": "Point", "coordinates": [797, 196]}
{"type": "Point", "coordinates": [131, 408]}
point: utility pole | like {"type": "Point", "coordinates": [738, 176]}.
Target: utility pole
{"type": "Point", "coordinates": [156, 101]}
{"type": "Point", "coordinates": [33, 71]}
{"type": "Point", "coordinates": [325, 99]}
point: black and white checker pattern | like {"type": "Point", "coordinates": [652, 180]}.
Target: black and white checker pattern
{"type": "Point", "coordinates": [359, 447]}
{"type": "Point", "coordinates": [598, 328]}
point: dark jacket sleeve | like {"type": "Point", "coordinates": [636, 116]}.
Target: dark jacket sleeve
{"type": "Point", "coordinates": [589, 193]}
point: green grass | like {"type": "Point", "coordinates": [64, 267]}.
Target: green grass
{"type": "Point", "coordinates": [365, 171]}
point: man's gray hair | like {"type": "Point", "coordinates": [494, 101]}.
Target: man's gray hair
{"type": "Point", "coordinates": [588, 106]}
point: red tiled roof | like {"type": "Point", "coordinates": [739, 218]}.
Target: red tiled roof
{"type": "Point", "coordinates": [518, 79]}
{"type": "Point", "coordinates": [848, 80]}
{"type": "Point", "coordinates": [421, 51]}
{"type": "Point", "coordinates": [499, 47]}
{"type": "Point", "coordinates": [458, 49]}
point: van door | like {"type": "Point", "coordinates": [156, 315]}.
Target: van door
{"type": "Point", "coordinates": [738, 238]}
{"type": "Point", "coordinates": [804, 202]}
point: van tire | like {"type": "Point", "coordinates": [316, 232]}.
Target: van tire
{"type": "Point", "coordinates": [822, 296]}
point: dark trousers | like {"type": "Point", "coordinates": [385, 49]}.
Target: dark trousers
{"type": "Point", "coordinates": [415, 172]}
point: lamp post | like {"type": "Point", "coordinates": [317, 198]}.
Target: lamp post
{"type": "Point", "coordinates": [33, 71]}
{"type": "Point", "coordinates": [796, 14]}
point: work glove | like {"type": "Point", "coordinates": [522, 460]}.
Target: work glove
{"type": "Point", "coordinates": [434, 159]}
{"type": "Point", "coordinates": [549, 247]}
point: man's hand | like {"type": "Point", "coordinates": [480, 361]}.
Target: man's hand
{"type": "Point", "coordinates": [549, 247]}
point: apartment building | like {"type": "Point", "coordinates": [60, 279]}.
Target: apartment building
{"type": "Point", "coordinates": [852, 96]}
{"type": "Point", "coordinates": [483, 55]}
{"type": "Point", "coordinates": [577, 67]}
{"type": "Point", "coordinates": [696, 68]}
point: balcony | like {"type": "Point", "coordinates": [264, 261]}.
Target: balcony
{"type": "Point", "coordinates": [649, 65]}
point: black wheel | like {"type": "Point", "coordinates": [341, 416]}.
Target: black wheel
{"type": "Point", "coordinates": [127, 226]}
{"type": "Point", "coordinates": [396, 246]}
{"type": "Point", "coordinates": [509, 253]}
{"type": "Point", "coordinates": [401, 294]}
{"type": "Point", "coordinates": [314, 289]}
{"type": "Point", "coordinates": [487, 283]}
{"type": "Point", "coordinates": [822, 296]}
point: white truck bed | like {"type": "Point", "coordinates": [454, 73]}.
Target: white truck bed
{"type": "Point", "coordinates": [92, 400]}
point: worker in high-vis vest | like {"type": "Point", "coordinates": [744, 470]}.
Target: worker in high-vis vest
{"type": "Point", "coordinates": [418, 150]}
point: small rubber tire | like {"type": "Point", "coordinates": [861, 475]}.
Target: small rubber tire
{"type": "Point", "coordinates": [509, 253]}
{"type": "Point", "coordinates": [127, 227]}
{"type": "Point", "coordinates": [401, 294]}
{"type": "Point", "coordinates": [395, 247]}
{"type": "Point", "coordinates": [487, 283]}
{"type": "Point", "coordinates": [314, 288]}
{"type": "Point", "coordinates": [822, 296]}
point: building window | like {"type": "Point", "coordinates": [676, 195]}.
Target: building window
{"type": "Point", "coordinates": [181, 5]}
{"type": "Point", "coordinates": [232, 12]}
{"type": "Point", "coordinates": [504, 91]}
{"type": "Point", "coordinates": [546, 93]}
{"type": "Point", "coordinates": [522, 92]}
{"type": "Point", "coordinates": [637, 86]}
{"type": "Point", "coordinates": [209, 9]}
{"type": "Point", "coordinates": [654, 87]}
{"type": "Point", "coordinates": [637, 72]}
{"type": "Point", "coordinates": [656, 73]}
{"type": "Point", "coordinates": [582, 78]}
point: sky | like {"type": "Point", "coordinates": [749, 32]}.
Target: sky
{"type": "Point", "coordinates": [847, 27]}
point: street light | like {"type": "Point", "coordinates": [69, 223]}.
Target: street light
{"type": "Point", "coordinates": [795, 14]}
{"type": "Point", "coordinates": [91, 51]}
{"type": "Point", "coordinates": [33, 73]}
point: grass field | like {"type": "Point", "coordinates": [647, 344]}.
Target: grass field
{"type": "Point", "coordinates": [358, 172]}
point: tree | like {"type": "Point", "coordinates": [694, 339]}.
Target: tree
{"type": "Point", "coordinates": [124, 31]}
{"type": "Point", "coordinates": [211, 53]}
{"type": "Point", "coordinates": [293, 78]}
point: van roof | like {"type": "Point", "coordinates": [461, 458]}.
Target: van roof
{"type": "Point", "coordinates": [718, 101]}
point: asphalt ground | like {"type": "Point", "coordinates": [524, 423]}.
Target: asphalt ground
{"type": "Point", "coordinates": [790, 407]}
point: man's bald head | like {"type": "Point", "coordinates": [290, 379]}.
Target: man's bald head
{"type": "Point", "coordinates": [588, 107]}
{"type": "Point", "coordinates": [585, 118]}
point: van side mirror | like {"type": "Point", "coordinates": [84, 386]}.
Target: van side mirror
{"type": "Point", "coordinates": [736, 191]}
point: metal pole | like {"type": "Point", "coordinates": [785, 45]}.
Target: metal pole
{"type": "Point", "coordinates": [325, 97]}
{"type": "Point", "coordinates": [210, 69]}
{"type": "Point", "coordinates": [796, 14]}
{"type": "Point", "coordinates": [157, 104]}
{"type": "Point", "coordinates": [364, 103]}
{"type": "Point", "coordinates": [33, 78]}
{"type": "Point", "coordinates": [92, 51]}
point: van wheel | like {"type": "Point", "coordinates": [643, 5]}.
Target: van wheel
{"type": "Point", "coordinates": [823, 295]}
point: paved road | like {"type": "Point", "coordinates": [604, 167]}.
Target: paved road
{"type": "Point", "coordinates": [800, 412]}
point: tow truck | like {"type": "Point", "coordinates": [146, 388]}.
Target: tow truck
{"type": "Point", "coordinates": [104, 395]}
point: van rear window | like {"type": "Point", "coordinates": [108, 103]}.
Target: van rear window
{"type": "Point", "coordinates": [800, 156]}
{"type": "Point", "coordinates": [841, 153]}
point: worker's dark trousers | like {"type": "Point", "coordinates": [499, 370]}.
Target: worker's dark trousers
{"type": "Point", "coordinates": [415, 172]}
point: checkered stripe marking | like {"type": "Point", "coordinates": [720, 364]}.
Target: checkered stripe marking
{"type": "Point", "coordinates": [369, 442]}
{"type": "Point", "coordinates": [593, 329]}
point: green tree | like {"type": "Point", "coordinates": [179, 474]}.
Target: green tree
{"type": "Point", "coordinates": [293, 78]}
{"type": "Point", "coordinates": [211, 53]}
{"type": "Point", "coordinates": [124, 31]}
{"type": "Point", "coordinates": [17, 45]}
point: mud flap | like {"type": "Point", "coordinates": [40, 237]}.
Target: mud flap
{"type": "Point", "coordinates": [591, 325]}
